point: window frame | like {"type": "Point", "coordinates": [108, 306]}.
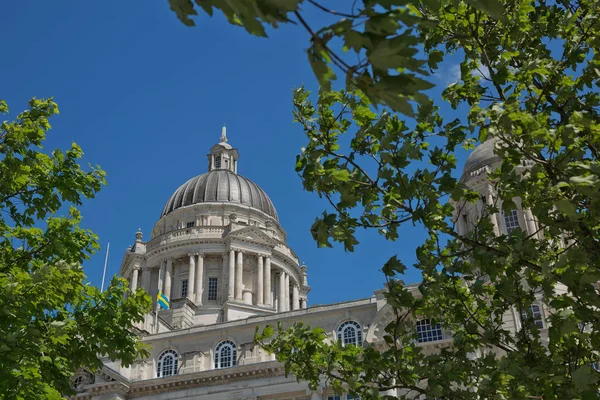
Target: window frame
{"type": "Point", "coordinates": [78, 382]}
{"type": "Point", "coordinates": [190, 224]}
{"type": "Point", "coordinates": [214, 292]}
{"type": "Point", "coordinates": [218, 358]}
{"type": "Point", "coordinates": [344, 339]}
{"type": "Point", "coordinates": [160, 366]}
{"type": "Point", "coordinates": [427, 332]}
{"type": "Point", "coordinates": [530, 313]}
{"type": "Point", "coordinates": [185, 285]}
{"type": "Point", "coordinates": [511, 218]}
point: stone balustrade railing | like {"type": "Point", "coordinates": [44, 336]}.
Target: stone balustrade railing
{"type": "Point", "coordinates": [182, 234]}
{"type": "Point", "coordinates": [283, 249]}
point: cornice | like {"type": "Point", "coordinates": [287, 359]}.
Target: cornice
{"type": "Point", "coordinates": [185, 381]}
{"type": "Point", "coordinates": [129, 260]}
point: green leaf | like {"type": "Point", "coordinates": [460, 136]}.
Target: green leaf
{"type": "Point", "coordinates": [493, 8]}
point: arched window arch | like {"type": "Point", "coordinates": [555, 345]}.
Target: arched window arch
{"type": "Point", "coordinates": [167, 363]}
{"type": "Point", "coordinates": [78, 382]}
{"type": "Point", "coordinates": [350, 333]}
{"type": "Point", "coordinates": [225, 354]}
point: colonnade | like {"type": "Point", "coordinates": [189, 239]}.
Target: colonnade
{"type": "Point", "coordinates": [262, 293]}
{"type": "Point", "coordinates": [527, 221]}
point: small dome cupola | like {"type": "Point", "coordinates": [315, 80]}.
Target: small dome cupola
{"type": "Point", "coordinates": [222, 155]}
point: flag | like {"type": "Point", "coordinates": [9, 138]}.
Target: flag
{"type": "Point", "coordinates": [163, 300]}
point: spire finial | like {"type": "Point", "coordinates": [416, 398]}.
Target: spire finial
{"type": "Point", "coordinates": [224, 134]}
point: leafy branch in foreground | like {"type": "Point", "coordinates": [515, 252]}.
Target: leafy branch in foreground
{"type": "Point", "coordinates": [528, 92]}
{"type": "Point", "coordinates": [51, 321]}
{"type": "Point", "coordinates": [366, 45]}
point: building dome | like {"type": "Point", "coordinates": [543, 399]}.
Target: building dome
{"type": "Point", "coordinates": [482, 156]}
{"type": "Point", "coordinates": [221, 186]}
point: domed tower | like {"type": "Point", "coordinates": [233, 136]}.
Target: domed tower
{"type": "Point", "coordinates": [482, 160]}
{"type": "Point", "coordinates": [218, 252]}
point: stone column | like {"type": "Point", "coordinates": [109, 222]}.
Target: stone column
{"type": "Point", "coordinates": [199, 279]}
{"type": "Point", "coordinates": [287, 292]}
{"type": "Point", "coordinates": [260, 281]}
{"type": "Point", "coordinates": [161, 282]}
{"type": "Point", "coordinates": [303, 303]}
{"type": "Point", "coordinates": [460, 225]}
{"type": "Point", "coordinates": [168, 273]}
{"type": "Point", "coordinates": [315, 396]}
{"type": "Point", "coordinates": [490, 202]}
{"type": "Point", "coordinates": [134, 279]}
{"type": "Point", "coordinates": [281, 294]}
{"type": "Point", "coordinates": [274, 291]}
{"type": "Point", "coordinates": [267, 276]}
{"type": "Point", "coordinates": [239, 275]}
{"type": "Point", "coordinates": [161, 277]}
{"type": "Point", "coordinates": [231, 276]}
{"type": "Point", "coordinates": [221, 286]}
{"type": "Point", "coordinates": [530, 222]}
{"type": "Point", "coordinates": [192, 278]}
{"type": "Point", "coordinates": [295, 298]}
{"type": "Point", "coordinates": [146, 279]}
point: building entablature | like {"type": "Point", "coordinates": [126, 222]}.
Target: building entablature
{"type": "Point", "coordinates": [130, 262]}
{"type": "Point", "coordinates": [184, 381]}
{"type": "Point", "coordinates": [317, 312]}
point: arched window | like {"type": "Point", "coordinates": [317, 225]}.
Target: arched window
{"type": "Point", "coordinates": [167, 363]}
{"type": "Point", "coordinates": [78, 382]}
{"type": "Point", "coordinates": [225, 355]}
{"type": "Point", "coordinates": [350, 333]}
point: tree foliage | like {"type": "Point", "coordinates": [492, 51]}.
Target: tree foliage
{"type": "Point", "coordinates": [381, 153]}
{"type": "Point", "coordinates": [51, 321]}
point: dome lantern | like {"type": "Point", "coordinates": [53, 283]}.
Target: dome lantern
{"type": "Point", "coordinates": [222, 155]}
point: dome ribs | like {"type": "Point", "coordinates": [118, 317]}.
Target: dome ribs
{"type": "Point", "coordinates": [199, 189]}
{"type": "Point", "coordinates": [222, 192]}
{"type": "Point", "coordinates": [211, 187]}
{"type": "Point", "coordinates": [245, 196]}
{"type": "Point", "coordinates": [234, 188]}
{"type": "Point", "coordinates": [255, 201]}
{"type": "Point", "coordinates": [188, 193]}
{"type": "Point", "coordinates": [221, 186]}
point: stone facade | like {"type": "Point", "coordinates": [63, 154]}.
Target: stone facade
{"type": "Point", "coordinates": [220, 255]}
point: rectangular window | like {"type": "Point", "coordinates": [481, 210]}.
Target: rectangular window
{"type": "Point", "coordinates": [184, 288]}
{"type": "Point", "coordinates": [212, 288]}
{"type": "Point", "coordinates": [535, 314]}
{"type": "Point", "coordinates": [426, 332]}
{"type": "Point", "coordinates": [511, 220]}
{"type": "Point", "coordinates": [334, 397]}
{"type": "Point", "coordinates": [190, 224]}
{"type": "Point", "coordinates": [218, 162]}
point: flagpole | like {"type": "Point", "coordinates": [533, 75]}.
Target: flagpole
{"type": "Point", "coordinates": [105, 264]}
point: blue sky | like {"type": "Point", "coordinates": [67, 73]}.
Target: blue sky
{"type": "Point", "coordinates": [145, 97]}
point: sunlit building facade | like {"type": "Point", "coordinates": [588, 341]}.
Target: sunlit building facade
{"type": "Point", "coordinates": [219, 254]}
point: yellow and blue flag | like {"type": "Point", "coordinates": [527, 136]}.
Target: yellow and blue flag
{"type": "Point", "coordinates": [163, 300]}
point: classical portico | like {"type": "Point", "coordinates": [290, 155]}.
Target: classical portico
{"type": "Point", "coordinates": [218, 251]}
